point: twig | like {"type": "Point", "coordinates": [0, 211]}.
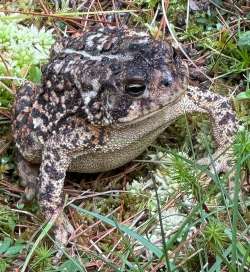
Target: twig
{"type": "Point", "coordinates": [94, 195]}
{"type": "Point", "coordinates": [73, 15]}
{"type": "Point", "coordinates": [89, 8]}
{"type": "Point", "coordinates": [7, 88]}
{"type": "Point", "coordinates": [224, 46]}
{"type": "Point", "coordinates": [72, 237]}
{"type": "Point", "coordinates": [218, 6]}
{"type": "Point", "coordinates": [43, 6]}
{"type": "Point", "coordinates": [115, 228]}
{"type": "Point", "coordinates": [5, 65]}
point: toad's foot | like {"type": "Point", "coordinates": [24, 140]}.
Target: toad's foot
{"type": "Point", "coordinates": [220, 162]}
{"type": "Point", "coordinates": [62, 231]}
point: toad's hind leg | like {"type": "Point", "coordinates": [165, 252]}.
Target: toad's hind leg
{"type": "Point", "coordinates": [28, 173]}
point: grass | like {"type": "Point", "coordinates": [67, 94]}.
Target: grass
{"type": "Point", "coordinates": [162, 212]}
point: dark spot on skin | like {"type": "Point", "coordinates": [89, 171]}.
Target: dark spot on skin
{"type": "Point", "coordinates": [224, 105]}
{"type": "Point", "coordinates": [116, 68]}
{"type": "Point", "coordinates": [226, 141]}
{"type": "Point", "coordinates": [87, 129]}
{"type": "Point", "coordinates": [101, 136]}
{"type": "Point", "coordinates": [229, 133]}
{"type": "Point", "coordinates": [53, 173]}
{"type": "Point", "coordinates": [77, 43]}
{"type": "Point", "coordinates": [46, 209]}
{"type": "Point", "coordinates": [189, 94]}
{"type": "Point", "coordinates": [106, 61]}
{"type": "Point", "coordinates": [73, 125]}
{"type": "Point", "coordinates": [66, 130]}
{"type": "Point", "coordinates": [208, 98]}
{"type": "Point", "coordinates": [47, 156]}
{"type": "Point", "coordinates": [61, 125]}
{"type": "Point", "coordinates": [65, 146]}
{"type": "Point", "coordinates": [45, 197]}
{"type": "Point", "coordinates": [56, 155]}
{"type": "Point", "coordinates": [121, 108]}
{"type": "Point", "coordinates": [49, 107]}
{"type": "Point", "coordinates": [41, 133]}
{"type": "Point", "coordinates": [226, 118]}
{"type": "Point", "coordinates": [86, 142]}
{"type": "Point", "coordinates": [29, 90]}
{"type": "Point", "coordinates": [37, 114]}
{"type": "Point", "coordinates": [75, 139]}
{"type": "Point", "coordinates": [133, 47]}
{"type": "Point", "coordinates": [30, 140]}
{"type": "Point", "coordinates": [30, 124]}
{"type": "Point", "coordinates": [145, 103]}
{"type": "Point", "coordinates": [60, 109]}
{"type": "Point", "coordinates": [50, 188]}
{"type": "Point", "coordinates": [18, 125]}
{"type": "Point", "coordinates": [22, 104]}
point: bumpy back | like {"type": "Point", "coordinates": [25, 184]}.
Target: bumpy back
{"type": "Point", "coordinates": [95, 70]}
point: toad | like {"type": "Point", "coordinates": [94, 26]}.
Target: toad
{"type": "Point", "coordinates": [105, 96]}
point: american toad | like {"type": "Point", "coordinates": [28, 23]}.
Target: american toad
{"type": "Point", "coordinates": [105, 96]}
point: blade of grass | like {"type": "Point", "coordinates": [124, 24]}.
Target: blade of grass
{"type": "Point", "coordinates": [235, 214]}
{"type": "Point", "coordinates": [161, 223]}
{"type": "Point", "coordinates": [44, 232]}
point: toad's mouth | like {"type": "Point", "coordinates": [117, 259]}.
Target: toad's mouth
{"type": "Point", "coordinates": [123, 122]}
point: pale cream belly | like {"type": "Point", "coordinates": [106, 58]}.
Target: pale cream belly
{"type": "Point", "coordinates": [110, 157]}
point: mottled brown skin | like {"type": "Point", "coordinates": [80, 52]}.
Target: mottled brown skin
{"type": "Point", "coordinates": [105, 96]}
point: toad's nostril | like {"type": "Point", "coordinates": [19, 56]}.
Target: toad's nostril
{"type": "Point", "coordinates": [167, 80]}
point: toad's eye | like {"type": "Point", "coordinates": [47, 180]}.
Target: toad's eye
{"type": "Point", "coordinates": [135, 89]}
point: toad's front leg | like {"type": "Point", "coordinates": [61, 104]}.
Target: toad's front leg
{"type": "Point", "coordinates": [224, 123]}
{"type": "Point", "coordinates": [55, 162]}
{"type": "Point", "coordinates": [57, 155]}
